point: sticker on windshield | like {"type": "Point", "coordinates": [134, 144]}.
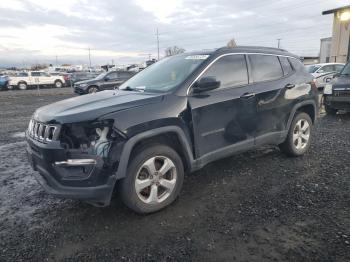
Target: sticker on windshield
{"type": "Point", "coordinates": [197, 57]}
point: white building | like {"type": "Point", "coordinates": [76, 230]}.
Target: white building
{"type": "Point", "coordinates": [325, 50]}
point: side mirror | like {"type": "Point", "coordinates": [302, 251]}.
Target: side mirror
{"type": "Point", "coordinates": [320, 71]}
{"type": "Point", "coordinates": [106, 78]}
{"type": "Point", "coordinates": [206, 84]}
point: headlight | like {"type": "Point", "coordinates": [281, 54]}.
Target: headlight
{"type": "Point", "coordinates": [83, 85]}
{"type": "Point", "coordinates": [328, 89]}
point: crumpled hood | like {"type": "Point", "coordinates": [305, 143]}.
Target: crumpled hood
{"type": "Point", "coordinates": [341, 82]}
{"type": "Point", "coordinates": [92, 106]}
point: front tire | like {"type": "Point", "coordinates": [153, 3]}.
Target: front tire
{"type": "Point", "coordinates": [22, 86]}
{"type": "Point", "coordinates": [154, 179]}
{"type": "Point", "coordinates": [92, 89]}
{"type": "Point", "coordinates": [299, 136]}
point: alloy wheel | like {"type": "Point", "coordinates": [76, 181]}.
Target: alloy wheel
{"type": "Point", "coordinates": [156, 180]}
{"type": "Point", "coordinates": [301, 134]}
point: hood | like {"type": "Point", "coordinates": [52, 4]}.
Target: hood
{"type": "Point", "coordinates": [341, 82]}
{"type": "Point", "coordinates": [90, 107]}
{"type": "Point", "coordinates": [88, 81]}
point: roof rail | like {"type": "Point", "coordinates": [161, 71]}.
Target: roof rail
{"type": "Point", "coordinates": [252, 47]}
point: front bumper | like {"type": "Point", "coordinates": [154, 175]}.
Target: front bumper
{"type": "Point", "coordinates": [89, 183]}
{"type": "Point", "coordinates": [337, 102]}
{"type": "Point", "coordinates": [79, 91]}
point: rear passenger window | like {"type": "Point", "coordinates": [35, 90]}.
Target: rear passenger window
{"type": "Point", "coordinates": [230, 70]}
{"type": "Point", "coordinates": [287, 68]}
{"type": "Point", "coordinates": [265, 67]}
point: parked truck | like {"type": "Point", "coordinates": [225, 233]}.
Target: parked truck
{"type": "Point", "coordinates": [24, 80]}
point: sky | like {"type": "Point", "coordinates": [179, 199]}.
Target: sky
{"type": "Point", "coordinates": [39, 31]}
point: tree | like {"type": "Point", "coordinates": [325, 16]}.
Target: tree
{"type": "Point", "coordinates": [174, 50]}
{"type": "Point", "coordinates": [231, 43]}
{"type": "Point", "coordinates": [38, 67]}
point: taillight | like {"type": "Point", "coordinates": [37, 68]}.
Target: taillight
{"type": "Point", "coordinates": [66, 77]}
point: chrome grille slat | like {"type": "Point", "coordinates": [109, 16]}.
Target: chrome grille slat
{"type": "Point", "coordinates": [42, 132]}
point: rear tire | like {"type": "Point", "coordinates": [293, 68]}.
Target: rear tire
{"type": "Point", "coordinates": [330, 111]}
{"type": "Point", "coordinates": [154, 179]}
{"type": "Point", "coordinates": [58, 84]}
{"type": "Point", "coordinates": [299, 136]}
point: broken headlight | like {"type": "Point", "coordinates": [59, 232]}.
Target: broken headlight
{"type": "Point", "coordinates": [89, 137]}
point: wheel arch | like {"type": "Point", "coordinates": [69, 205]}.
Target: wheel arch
{"type": "Point", "coordinates": [172, 136]}
{"type": "Point", "coordinates": [309, 107]}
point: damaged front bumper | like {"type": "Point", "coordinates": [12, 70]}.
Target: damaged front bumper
{"type": "Point", "coordinates": [70, 174]}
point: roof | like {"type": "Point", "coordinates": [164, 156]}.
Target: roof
{"type": "Point", "coordinates": [255, 49]}
{"type": "Point", "coordinates": [243, 49]}
{"type": "Point", "coordinates": [331, 11]}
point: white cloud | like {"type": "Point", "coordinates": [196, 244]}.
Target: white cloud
{"type": "Point", "coordinates": [12, 5]}
{"type": "Point", "coordinates": [161, 9]}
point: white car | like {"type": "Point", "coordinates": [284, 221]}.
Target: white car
{"type": "Point", "coordinates": [318, 70]}
{"type": "Point", "coordinates": [35, 78]}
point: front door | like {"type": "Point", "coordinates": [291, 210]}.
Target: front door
{"type": "Point", "coordinates": [111, 81]}
{"type": "Point", "coordinates": [224, 118]}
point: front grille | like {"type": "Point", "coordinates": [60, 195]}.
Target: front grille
{"type": "Point", "coordinates": [42, 132]}
{"type": "Point", "coordinates": [341, 92]}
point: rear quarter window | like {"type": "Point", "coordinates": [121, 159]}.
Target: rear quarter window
{"type": "Point", "coordinates": [265, 67]}
{"type": "Point", "coordinates": [297, 65]}
{"type": "Point", "coordinates": [286, 66]}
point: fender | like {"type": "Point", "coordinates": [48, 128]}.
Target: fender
{"type": "Point", "coordinates": [294, 110]}
{"type": "Point", "coordinates": [129, 145]}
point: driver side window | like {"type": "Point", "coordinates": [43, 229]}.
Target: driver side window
{"type": "Point", "coordinates": [230, 71]}
{"type": "Point", "coordinates": [112, 76]}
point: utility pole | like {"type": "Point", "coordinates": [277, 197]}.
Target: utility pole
{"type": "Point", "coordinates": [56, 61]}
{"type": "Point", "coordinates": [89, 58]}
{"type": "Point", "coordinates": [158, 43]}
{"type": "Point", "coordinates": [279, 42]}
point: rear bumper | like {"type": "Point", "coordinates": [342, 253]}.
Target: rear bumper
{"type": "Point", "coordinates": [89, 184]}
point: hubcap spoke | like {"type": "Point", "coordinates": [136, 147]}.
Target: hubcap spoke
{"type": "Point", "coordinates": [167, 165]}
{"type": "Point", "coordinates": [142, 184]}
{"type": "Point", "coordinates": [150, 166]}
{"type": "Point", "coordinates": [305, 126]}
{"type": "Point", "coordinates": [168, 184]}
{"type": "Point", "coordinates": [153, 196]}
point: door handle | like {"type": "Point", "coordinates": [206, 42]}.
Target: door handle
{"type": "Point", "coordinates": [248, 95]}
{"type": "Point", "coordinates": [289, 86]}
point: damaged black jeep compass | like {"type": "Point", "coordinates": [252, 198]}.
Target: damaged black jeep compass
{"type": "Point", "coordinates": [174, 117]}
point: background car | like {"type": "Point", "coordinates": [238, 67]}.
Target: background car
{"type": "Point", "coordinates": [317, 70]}
{"type": "Point", "coordinates": [336, 93]}
{"type": "Point", "coordinates": [81, 76]}
{"type": "Point", "coordinates": [105, 81]}
{"type": "Point", "coordinates": [4, 81]}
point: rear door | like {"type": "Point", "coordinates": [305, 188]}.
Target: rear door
{"type": "Point", "coordinates": [272, 77]}
{"type": "Point", "coordinates": [224, 117]}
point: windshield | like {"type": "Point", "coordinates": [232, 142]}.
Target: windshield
{"type": "Point", "coordinates": [165, 74]}
{"type": "Point", "coordinates": [312, 68]}
{"type": "Point", "coordinates": [346, 70]}
{"type": "Point", "coordinates": [101, 76]}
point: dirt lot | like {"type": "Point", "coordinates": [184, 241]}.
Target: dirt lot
{"type": "Point", "coordinates": [257, 206]}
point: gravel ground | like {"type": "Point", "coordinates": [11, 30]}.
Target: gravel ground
{"type": "Point", "coordinates": [256, 206]}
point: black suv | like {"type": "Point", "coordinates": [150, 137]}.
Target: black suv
{"type": "Point", "coordinates": [337, 93]}
{"type": "Point", "coordinates": [105, 81]}
{"type": "Point", "coordinates": [172, 118]}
